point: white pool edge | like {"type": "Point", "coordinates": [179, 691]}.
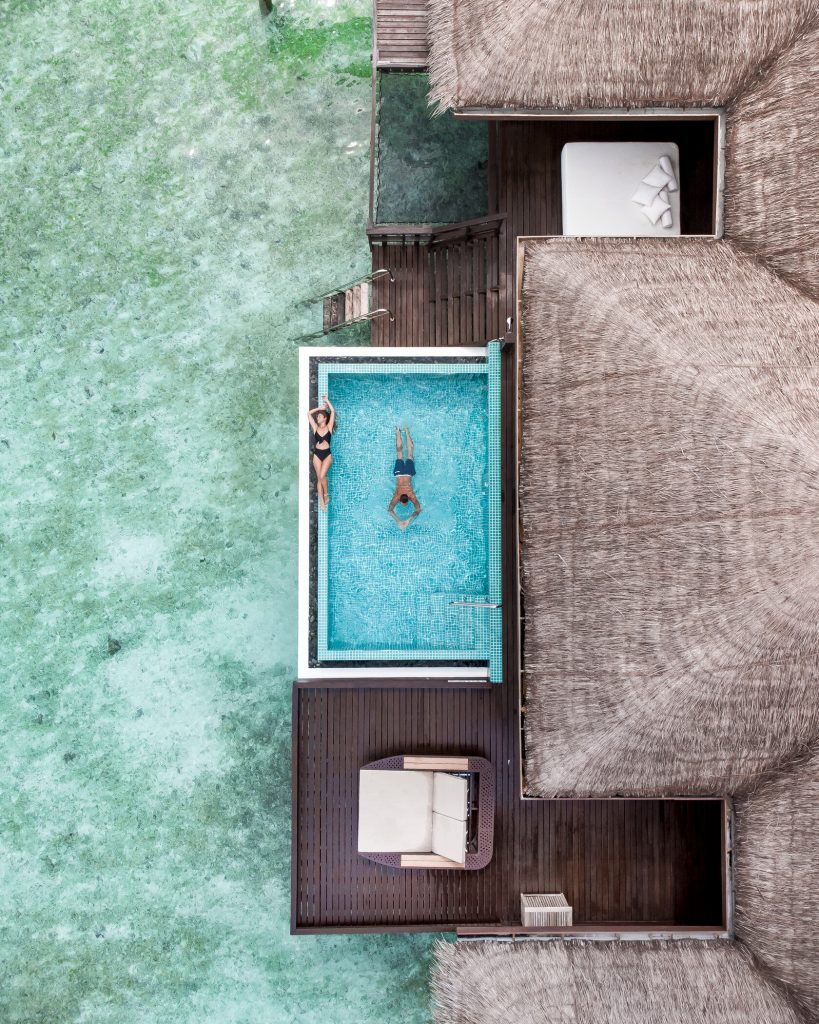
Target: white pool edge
{"type": "Point", "coordinates": [305, 671]}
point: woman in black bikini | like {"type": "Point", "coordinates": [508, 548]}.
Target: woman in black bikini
{"type": "Point", "coordinates": [322, 427]}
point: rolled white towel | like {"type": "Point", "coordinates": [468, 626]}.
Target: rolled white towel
{"type": "Point", "coordinates": [667, 219]}
{"type": "Point", "coordinates": [668, 167]}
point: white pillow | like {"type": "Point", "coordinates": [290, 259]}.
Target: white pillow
{"type": "Point", "coordinates": [667, 219]}
{"type": "Point", "coordinates": [657, 208]}
{"type": "Point", "coordinates": [645, 194]}
{"type": "Point", "coordinates": [657, 176]}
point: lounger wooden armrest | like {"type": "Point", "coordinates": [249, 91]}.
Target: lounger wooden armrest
{"type": "Point", "coordinates": [436, 764]}
{"type": "Point", "coordinates": [428, 860]}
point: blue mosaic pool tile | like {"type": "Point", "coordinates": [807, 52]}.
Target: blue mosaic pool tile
{"type": "Point", "coordinates": [484, 624]}
{"type": "Point", "coordinates": [495, 633]}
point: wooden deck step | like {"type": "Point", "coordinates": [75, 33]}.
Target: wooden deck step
{"type": "Point", "coordinates": [344, 306]}
{"type": "Point", "coordinates": [400, 31]}
{"type": "Point", "coordinates": [444, 294]}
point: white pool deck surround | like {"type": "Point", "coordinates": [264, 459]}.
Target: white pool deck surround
{"type": "Point", "coordinates": [396, 671]}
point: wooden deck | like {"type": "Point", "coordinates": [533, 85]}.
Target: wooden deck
{"type": "Point", "coordinates": [629, 861]}
{"type": "Point", "coordinates": [400, 34]}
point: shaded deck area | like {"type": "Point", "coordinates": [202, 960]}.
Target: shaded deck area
{"type": "Point", "coordinates": [445, 283]}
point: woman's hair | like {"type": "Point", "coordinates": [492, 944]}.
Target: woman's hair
{"type": "Point", "coordinates": [404, 499]}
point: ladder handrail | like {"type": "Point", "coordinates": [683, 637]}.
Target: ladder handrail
{"type": "Point", "coordinates": [348, 323]}
{"type": "Point", "coordinates": [346, 287]}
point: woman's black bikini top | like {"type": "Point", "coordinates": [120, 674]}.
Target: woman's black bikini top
{"type": "Point", "coordinates": [317, 438]}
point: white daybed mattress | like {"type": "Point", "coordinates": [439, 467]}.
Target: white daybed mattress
{"type": "Point", "coordinates": [599, 179]}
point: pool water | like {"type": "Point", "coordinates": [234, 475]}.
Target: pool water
{"type": "Point", "coordinates": [389, 591]}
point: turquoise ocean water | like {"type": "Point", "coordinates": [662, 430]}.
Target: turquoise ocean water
{"type": "Point", "coordinates": [175, 177]}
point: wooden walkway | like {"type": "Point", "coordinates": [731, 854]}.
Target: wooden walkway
{"type": "Point", "coordinates": [400, 34]}
{"type": "Point", "coordinates": [447, 288]}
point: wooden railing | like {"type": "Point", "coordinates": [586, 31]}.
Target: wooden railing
{"type": "Point", "coordinates": [434, 234]}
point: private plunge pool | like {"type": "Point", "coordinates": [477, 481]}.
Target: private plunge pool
{"type": "Point", "coordinates": [376, 600]}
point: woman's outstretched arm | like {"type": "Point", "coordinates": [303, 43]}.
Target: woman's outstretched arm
{"type": "Point", "coordinates": [329, 405]}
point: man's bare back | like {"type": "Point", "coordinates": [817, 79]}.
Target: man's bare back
{"type": "Point", "coordinates": [404, 471]}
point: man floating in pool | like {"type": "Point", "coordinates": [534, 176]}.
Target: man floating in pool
{"type": "Point", "coordinates": [404, 471]}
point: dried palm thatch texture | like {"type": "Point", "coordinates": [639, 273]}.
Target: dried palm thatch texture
{"type": "Point", "coordinates": [777, 878]}
{"type": "Point", "coordinates": [591, 53]}
{"type": "Point", "coordinates": [772, 167]}
{"type": "Point", "coordinates": [603, 983]}
{"type": "Point", "coordinates": [670, 514]}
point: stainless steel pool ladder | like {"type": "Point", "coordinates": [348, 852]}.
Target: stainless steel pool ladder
{"type": "Point", "coordinates": [349, 305]}
{"type": "Point", "coordinates": [475, 604]}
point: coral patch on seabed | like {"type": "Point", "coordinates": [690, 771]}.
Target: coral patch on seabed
{"type": "Point", "coordinates": [177, 177]}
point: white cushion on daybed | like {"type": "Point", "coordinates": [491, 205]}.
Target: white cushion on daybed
{"type": "Point", "coordinates": [449, 795]}
{"type": "Point", "coordinates": [394, 811]}
{"type": "Point", "coordinates": [598, 180]}
{"type": "Point", "coordinates": [412, 812]}
{"type": "Point", "coordinates": [449, 837]}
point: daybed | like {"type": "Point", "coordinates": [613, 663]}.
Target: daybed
{"type": "Point", "coordinates": [600, 181]}
{"type": "Point", "coordinates": [427, 812]}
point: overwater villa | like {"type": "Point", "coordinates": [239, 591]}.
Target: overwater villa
{"type": "Point", "coordinates": [578, 697]}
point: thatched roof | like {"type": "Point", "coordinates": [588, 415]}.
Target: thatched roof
{"type": "Point", "coordinates": [772, 167]}
{"type": "Point", "coordinates": [591, 53]}
{"type": "Point", "coordinates": [606, 982]}
{"type": "Point", "coordinates": [670, 513]}
{"type": "Point", "coordinates": [776, 864]}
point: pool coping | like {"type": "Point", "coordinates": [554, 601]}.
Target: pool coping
{"type": "Point", "coordinates": [307, 671]}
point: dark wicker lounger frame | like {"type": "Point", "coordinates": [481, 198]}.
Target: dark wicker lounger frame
{"type": "Point", "coordinates": [485, 773]}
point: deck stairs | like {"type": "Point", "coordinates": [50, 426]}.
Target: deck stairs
{"type": "Point", "coordinates": [447, 282]}
{"type": "Point", "coordinates": [352, 304]}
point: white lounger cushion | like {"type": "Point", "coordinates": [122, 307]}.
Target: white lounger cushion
{"type": "Point", "coordinates": [449, 837]}
{"type": "Point", "coordinates": [394, 811]}
{"type": "Point", "coordinates": [449, 795]}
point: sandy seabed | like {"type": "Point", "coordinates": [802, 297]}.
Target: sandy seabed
{"type": "Point", "coordinates": [176, 177]}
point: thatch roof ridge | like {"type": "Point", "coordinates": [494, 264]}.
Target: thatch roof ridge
{"type": "Point", "coordinates": [776, 870]}
{"type": "Point", "coordinates": [556, 54]}
{"type": "Point", "coordinates": [575, 982]}
{"type": "Point", "coordinates": [772, 164]}
{"type": "Point", "coordinates": [670, 551]}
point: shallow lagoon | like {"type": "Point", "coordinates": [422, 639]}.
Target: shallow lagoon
{"type": "Point", "coordinates": [181, 177]}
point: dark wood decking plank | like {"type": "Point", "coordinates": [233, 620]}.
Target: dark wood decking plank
{"type": "Point", "coordinates": [400, 34]}
{"type": "Point", "coordinates": [536, 843]}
